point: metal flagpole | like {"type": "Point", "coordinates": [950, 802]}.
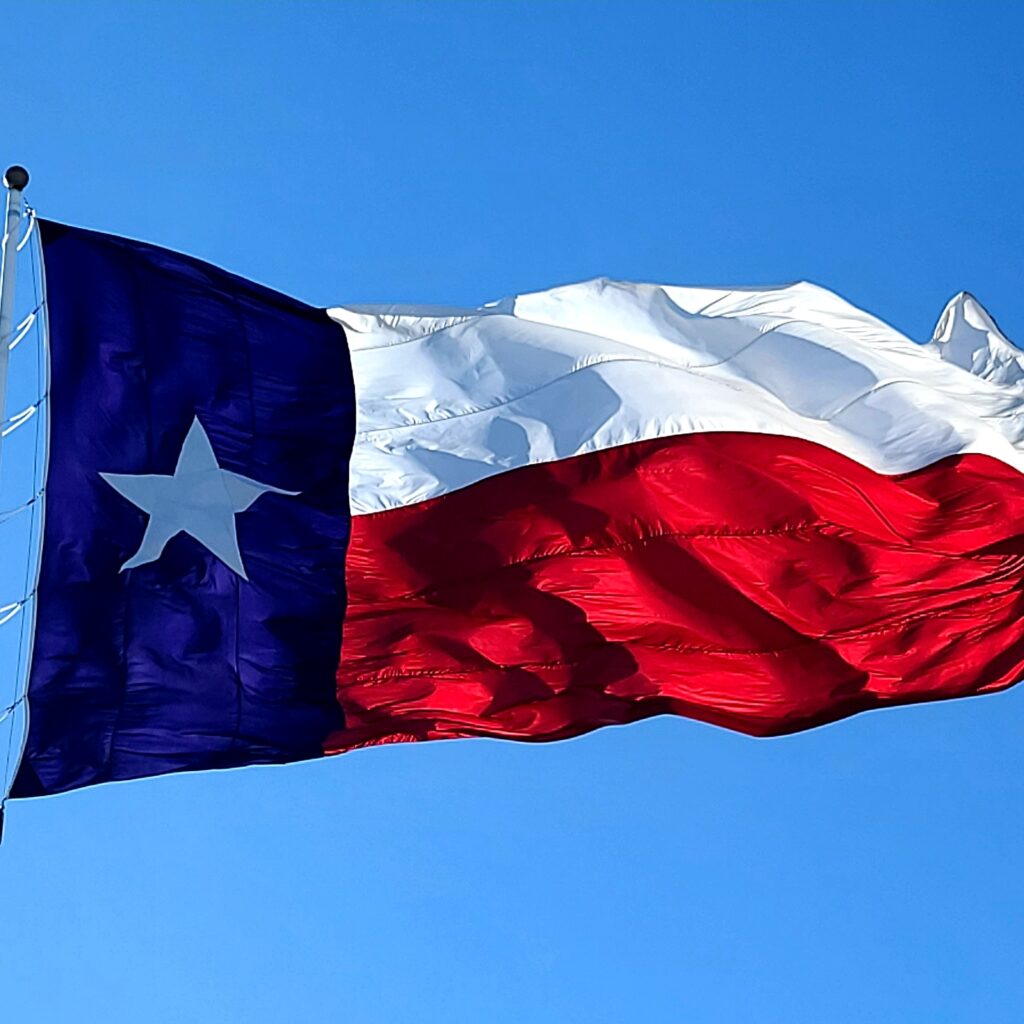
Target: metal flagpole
{"type": "Point", "coordinates": [15, 179]}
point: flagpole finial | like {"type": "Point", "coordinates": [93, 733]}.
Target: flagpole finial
{"type": "Point", "coordinates": [16, 177]}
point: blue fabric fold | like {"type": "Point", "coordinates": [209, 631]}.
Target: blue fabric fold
{"type": "Point", "coordinates": [181, 663]}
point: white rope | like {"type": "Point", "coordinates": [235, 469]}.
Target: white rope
{"type": "Point", "coordinates": [8, 711]}
{"type": "Point", "coordinates": [23, 328]}
{"type": "Point", "coordinates": [30, 216]}
{"type": "Point", "coordinates": [19, 419]}
{"type": "Point", "coordinates": [38, 317]}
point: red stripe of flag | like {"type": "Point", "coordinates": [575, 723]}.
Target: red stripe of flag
{"type": "Point", "coordinates": [762, 583]}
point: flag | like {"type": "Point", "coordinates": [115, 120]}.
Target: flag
{"type": "Point", "coordinates": [275, 532]}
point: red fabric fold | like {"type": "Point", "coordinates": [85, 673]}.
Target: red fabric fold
{"type": "Point", "coordinates": [762, 583]}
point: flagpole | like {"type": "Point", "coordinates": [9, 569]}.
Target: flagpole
{"type": "Point", "coordinates": [15, 180]}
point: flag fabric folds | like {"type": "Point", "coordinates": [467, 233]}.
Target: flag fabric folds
{"type": "Point", "coordinates": [761, 508]}
{"type": "Point", "coordinates": [193, 624]}
{"type": "Point", "coordinates": [275, 532]}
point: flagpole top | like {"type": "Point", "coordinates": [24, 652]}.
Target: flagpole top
{"type": "Point", "coordinates": [16, 177]}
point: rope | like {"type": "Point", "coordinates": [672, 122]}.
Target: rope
{"type": "Point", "coordinates": [30, 216]}
{"type": "Point", "coordinates": [10, 513]}
{"type": "Point", "coordinates": [19, 419]}
{"type": "Point", "coordinates": [27, 605]}
{"type": "Point", "coordinates": [23, 328]}
{"type": "Point", "coordinates": [10, 709]}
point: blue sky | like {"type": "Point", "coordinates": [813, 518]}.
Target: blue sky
{"type": "Point", "coordinates": [456, 153]}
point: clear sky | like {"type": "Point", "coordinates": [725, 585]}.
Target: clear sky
{"type": "Point", "coordinates": [455, 153]}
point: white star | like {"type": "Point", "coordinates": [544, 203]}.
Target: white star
{"type": "Point", "coordinates": [201, 499]}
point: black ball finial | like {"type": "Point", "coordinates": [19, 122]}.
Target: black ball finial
{"type": "Point", "coordinates": [16, 177]}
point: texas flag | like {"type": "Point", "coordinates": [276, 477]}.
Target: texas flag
{"type": "Point", "coordinates": [275, 532]}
